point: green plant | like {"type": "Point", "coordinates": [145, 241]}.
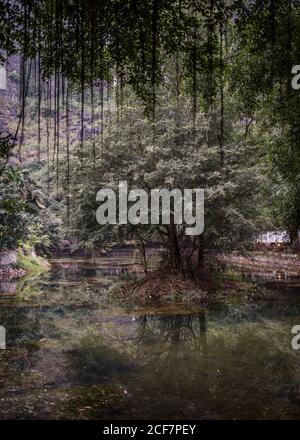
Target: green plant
{"type": "Point", "coordinates": [30, 262]}
{"type": "Point", "coordinates": [23, 216]}
{"type": "Point", "coordinates": [6, 146]}
{"type": "Point", "coordinates": [13, 217]}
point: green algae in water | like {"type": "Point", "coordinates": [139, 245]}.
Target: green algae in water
{"type": "Point", "coordinates": [73, 354]}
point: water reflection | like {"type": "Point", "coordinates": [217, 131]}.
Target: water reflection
{"type": "Point", "coordinates": [266, 275]}
{"type": "Point", "coordinates": [72, 353]}
{"type": "Point", "coordinates": [174, 329]}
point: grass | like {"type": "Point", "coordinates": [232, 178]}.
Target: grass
{"type": "Point", "coordinates": [232, 275]}
{"type": "Point", "coordinates": [32, 264]}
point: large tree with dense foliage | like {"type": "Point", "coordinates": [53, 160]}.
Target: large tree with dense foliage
{"type": "Point", "coordinates": [230, 60]}
{"type": "Point", "coordinates": [173, 155]}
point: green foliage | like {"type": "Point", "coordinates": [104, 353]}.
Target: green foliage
{"type": "Point", "coordinates": [13, 216]}
{"type": "Point", "coordinates": [132, 40]}
{"type": "Point", "coordinates": [232, 275]}
{"type": "Point", "coordinates": [266, 45]}
{"type": "Point", "coordinates": [214, 76]}
{"type": "Point", "coordinates": [167, 154]}
{"type": "Point", "coordinates": [6, 146]}
{"type": "Point", "coordinates": [46, 229]}
{"type": "Point", "coordinates": [29, 261]}
{"type": "Point", "coordinates": [22, 214]}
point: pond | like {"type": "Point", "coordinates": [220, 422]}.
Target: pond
{"type": "Point", "coordinates": [73, 352]}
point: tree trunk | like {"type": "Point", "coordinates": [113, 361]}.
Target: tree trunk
{"type": "Point", "coordinates": [174, 247]}
{"type": "Point", "coordinates": [201, 250]}
{"type": "Point", "coordinates": [293, 233]}
{"type": "Point", "coordinates": [141, 244]}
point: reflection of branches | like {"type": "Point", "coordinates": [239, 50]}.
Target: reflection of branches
{"type": "Point", "coordinates": [142, 328]}
{"type": "Point", "coordinates": [172, 341]}
{"type": "Point", "coordinates": [175, 329]}
{"type": "Point", "coordinates": [203, 328]}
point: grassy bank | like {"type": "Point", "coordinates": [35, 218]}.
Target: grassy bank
{"type": "Point", "coordinates": [28, 261]}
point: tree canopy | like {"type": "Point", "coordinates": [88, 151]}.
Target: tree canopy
{"type": "Point", "coordinates": [208, 81]}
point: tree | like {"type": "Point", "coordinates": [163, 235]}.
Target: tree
{"type": "Point", "coordinates": [6, 147]}
{"type": "Point", "coordinates": [23, 217]}
{"type": "Point", "coordinates": [265, 47]}
{"type": "Point", "coordinates": [168, 155]}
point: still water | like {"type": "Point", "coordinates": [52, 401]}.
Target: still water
{"type": "Point", "coordinates": [74, 352]}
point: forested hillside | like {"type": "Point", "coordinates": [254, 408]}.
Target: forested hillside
{"type": "Point", "coordinates": [172, 94]}
{"type": "Point", "coordinates": [149, 215]}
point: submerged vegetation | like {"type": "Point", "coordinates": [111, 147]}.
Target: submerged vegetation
{"type": "Point", "coordinates": [91, 402]}
{"type": "Point", "coordinates": [172, 94]}
{"type": "Point", "coordinates": [72, 353]}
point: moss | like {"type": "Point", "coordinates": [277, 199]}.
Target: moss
{"type": "Point", "coordinates": [232, 275]}
{"type": "Point", "coordinates": [92, 402]}
{"type": "Point", "coordinates": [30, 262]}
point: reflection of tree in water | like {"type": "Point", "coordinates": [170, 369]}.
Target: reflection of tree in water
{"type": "Point", "coordinates": [241, 368]}
{"type": "Point", "coordinates": [171, 340]}
{"type": "Point", "coordinates": [173, 352]}
{"type": "Point", "coordinates": [175, 329]}
{"type": "Point", "coordinates": [95, 362]}
{"type": "Point", "coordinates": [22, 325]}
{"type": "Point", "coordinates": [23, 330]}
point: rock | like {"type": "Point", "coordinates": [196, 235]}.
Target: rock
{"type": "Point", "coordinates": [8, 257]}
{"type": "Point", "coordinates": [9, 272]}
{"type": "Point", "coordinates": [7, 288]}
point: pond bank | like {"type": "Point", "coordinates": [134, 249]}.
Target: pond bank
{"type": "Point", "coordinates": [17, 263]}
{"type": "Point", "coordinates": [263, 261]}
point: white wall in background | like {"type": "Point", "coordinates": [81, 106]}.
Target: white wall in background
{"type": "Point", "coordinates": [273, 237]}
